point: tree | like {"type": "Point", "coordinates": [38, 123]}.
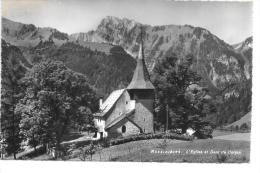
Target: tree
{"type": "Point", "coordinates": [56, 100]}
{"type": "Point", "coordinates": [11, 91]}
{"type": "Point", "coordinates": [85, 120]}
{"type": "Point", "coordinates": [10, 120]}
{"type": "Point", "coordinates": [179, 96]}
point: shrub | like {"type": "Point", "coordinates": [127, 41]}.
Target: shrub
{"type": "Point", "coordinates": [113, 159]}
{"type": "Point", "coordinates": [89, 150]}
{"type": "Point", "coordinates": [149, 136]}
{"type": "Point", "coordinates": [34, 153]}
{"type": "Point", "coordinates": [221, 158]}
{"type": "Point", "coordinates": [244, 159]}
{"type": "Point", "coordinates": [104, 142]}
{"type": "Point", "coordinates": [244, 126]}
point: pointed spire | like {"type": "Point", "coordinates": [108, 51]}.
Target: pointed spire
{"type": "Point", "coordinates": [141, 50]}
{"type": "Point", "coordinates": [141, 78]}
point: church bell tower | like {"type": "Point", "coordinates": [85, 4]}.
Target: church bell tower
{"type": "Point", "coordinates": [142, 91]}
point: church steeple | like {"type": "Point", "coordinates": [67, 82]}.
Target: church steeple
{"type": "Point", "coordinates": [141, 78]}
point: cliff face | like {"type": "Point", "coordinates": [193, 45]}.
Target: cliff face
{"type": "Point", "coordinates": [245, 48]}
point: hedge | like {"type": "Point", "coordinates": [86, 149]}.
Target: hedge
{"type": "Point", "coordinates": [149, 136]}
{"type": "Point", "coordinates": [105, 142]}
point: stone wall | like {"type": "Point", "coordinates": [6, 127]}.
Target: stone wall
{"type": "Point", "coordinates": [143, 115]}
{"type": "Point", "coordinates": [116, 131]}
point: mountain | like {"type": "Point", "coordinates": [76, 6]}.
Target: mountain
{"type": "Point", "coordinates": [245, 48]}
{"type": "Point", "coordinates": [28, 35]}
{"type": "Point", "coordinates": [108, 67]}
{"type": "Point", "coordinates": [105, 56]}
{"type": "Point", "coordinates": [245, 45]}
{"type": "Point", "coordinates": [95, 46]}
{"type": "Point", "coordinates": [216, 61]}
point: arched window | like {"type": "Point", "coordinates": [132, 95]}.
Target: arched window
{"type": "Point", "coordinates": [123, 129]}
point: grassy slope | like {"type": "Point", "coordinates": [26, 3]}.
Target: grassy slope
{"type": "Point", "coordinates": [235, 137]}
{"type": "Point", "coordinates": [145, 155]}
{"type": "Point", "coordinates": [221, 133]}
{"type": "Point", "coordinates": [141, 151]}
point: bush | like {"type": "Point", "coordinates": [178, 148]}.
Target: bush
{"type": "Point", "coordinates": [66, 152]}
{"type": "Point", "coordinates": [41, 150]}
{"type": "Point", "coordinates": [89, 150]}
{"type": "Point", "coordinates": [221, 158]}
{"type": "Point", "coordinates": [244, 126]}
{"type": "Point", "coordinates": [114, 159]}
{"type": "Point", "coordinates": [149, 136]}
{"type": "Point", "coordinates": [104, 142]}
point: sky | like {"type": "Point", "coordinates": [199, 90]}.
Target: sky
{"type": "Point", "coordinates": [230, 21]}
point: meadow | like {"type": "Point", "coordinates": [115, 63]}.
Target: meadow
{"type": "Point", "coordinates": [216, 150]}
{"type": "Point", "coordinates": [225, 147]}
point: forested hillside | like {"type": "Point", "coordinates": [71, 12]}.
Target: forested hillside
{"type": "Point", "coordinates": [106, 72]}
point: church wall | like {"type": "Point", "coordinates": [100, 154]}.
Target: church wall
{"type": "Point", "coordinates": [144, 115]}
{"type": "Point", "coordinates": [119, 108]}
{"type": "Point", "coordinates": [116, 131]}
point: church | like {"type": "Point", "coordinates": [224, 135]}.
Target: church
{"type": "Point", "coordinates": [128, 111]}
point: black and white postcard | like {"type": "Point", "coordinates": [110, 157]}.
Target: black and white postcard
{"type": "Point", "coordinates": [127, 81]}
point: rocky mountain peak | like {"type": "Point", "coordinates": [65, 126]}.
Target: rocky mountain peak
{"type": "Point", "coordinates": [115, 21]}
{"type": "Point", "coordinates": [244, 45]}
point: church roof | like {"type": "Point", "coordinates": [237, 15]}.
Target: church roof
{"type": "Point", "coordinates": [141, 78]}
{"type": "Point", "coordinates": [110, 101]}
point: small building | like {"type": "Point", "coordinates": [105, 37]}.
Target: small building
{"type": "Point", "coordinates": [128, 111]}
{"type": "Point", "coordinates": [190, 131]}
